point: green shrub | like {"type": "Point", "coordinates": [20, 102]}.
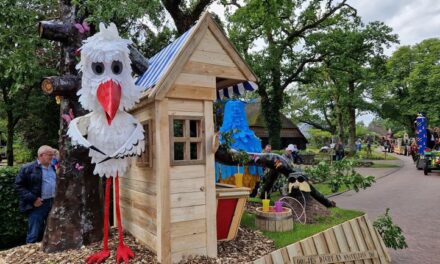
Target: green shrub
{"type": "Point", "coordinates": [14, 224]}
{"type": "Point", "coordinates": [391, 233]}
{"type": "Point", "coordinates": [338, 174]}
{"type": "Point", "coordinates": [278, 151]}
{"type": "Point", "coordinates": [320, 172]}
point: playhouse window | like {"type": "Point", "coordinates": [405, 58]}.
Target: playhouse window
{"type": "Point", "coordinates": [186, 140]}
{"type": "Point", "coordinates": [145, 159]}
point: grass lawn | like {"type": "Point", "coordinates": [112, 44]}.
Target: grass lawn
{"type": "Point", "coordinates": [300, 231]}
{"type": "Point", "coordinates": [376, 155]}
{"type": "Point", "coordinates": [384, 165]}
{"type": "Point", "coordinates": [326, 190]}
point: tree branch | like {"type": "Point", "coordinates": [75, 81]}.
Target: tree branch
{"type": "Point", "coordinates": [300, 68]}
{"type": "Point", "coordinates": [314, 124]}
{"type": "Point", "coordinates": [199, 8]}
{"type": "Point", "coordinates": [184, 19]}
{"type": "Point", "coordinates": [232, 3]}
{"type": "Point", "coordinates": [316, 23]}
{"type": "Point", "coordinates": [5, 95]}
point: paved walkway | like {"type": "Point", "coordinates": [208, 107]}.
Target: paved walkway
{"type": "Point", "coordinates": [414, 200]}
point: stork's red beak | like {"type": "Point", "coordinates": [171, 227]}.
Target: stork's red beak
{"type": "Point", "coordinates": [109, 96]}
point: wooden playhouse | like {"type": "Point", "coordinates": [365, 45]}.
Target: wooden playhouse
{"type": "Point", "coordinates": [168, 196]}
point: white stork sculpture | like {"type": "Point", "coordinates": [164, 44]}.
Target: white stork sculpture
{"type": "Point", "coordinates": [111, 134]}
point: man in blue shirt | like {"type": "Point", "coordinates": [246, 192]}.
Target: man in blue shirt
{"type": "Point", "coordinates": [35, 184]}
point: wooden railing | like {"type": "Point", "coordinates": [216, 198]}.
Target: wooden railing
{"type": "Point", "coordinates": [352, 242]}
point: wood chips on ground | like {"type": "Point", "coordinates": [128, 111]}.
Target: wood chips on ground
{"type": "Point", "coordinates": [247, 246]}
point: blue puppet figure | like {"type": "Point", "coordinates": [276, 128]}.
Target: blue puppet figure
{"type": "Point", "coordinates": [234, 120]}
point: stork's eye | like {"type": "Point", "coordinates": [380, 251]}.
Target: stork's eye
{"type": "Point", "coordinates": [98, 68]}
{"type": "Point", "coordinates": [116, 67]}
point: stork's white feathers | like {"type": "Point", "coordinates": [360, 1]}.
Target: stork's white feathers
{"type": "Point", "coordinates": [135, 144]}
{"type": "Point", "coordinates": [78, 128]}
{"type": "Point", "coordinates": [109, 144]}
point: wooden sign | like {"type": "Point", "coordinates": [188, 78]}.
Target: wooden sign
{"type": "Point", "coordinates": [335, 258]}
{"type": "Point", "coordinates": [352, 242]}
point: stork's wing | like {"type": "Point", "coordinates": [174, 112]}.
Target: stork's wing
{"type": "Point", "coordinates": [134, 145]}
{"type": "Point", "coordinates": [77, 130]}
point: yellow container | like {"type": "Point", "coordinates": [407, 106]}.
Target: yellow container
{"type": "Point", "coordinates": [238, 180]}
{"type": "Point", "coordinates": [266, 203]}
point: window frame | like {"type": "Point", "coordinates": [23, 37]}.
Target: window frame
{"type": "Point", "coordinates": [140, 162]}
{"type": "Point", "coordinates": [187, 140]}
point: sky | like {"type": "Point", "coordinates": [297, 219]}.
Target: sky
{"type": "Point", "coordinates": [412, 20]}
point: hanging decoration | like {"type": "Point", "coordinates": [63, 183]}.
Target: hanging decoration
{"type": "Point", "coordinates": [110, 133]}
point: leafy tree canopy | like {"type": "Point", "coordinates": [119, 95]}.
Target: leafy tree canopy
{"type": "Point", "coordinates": [24, 60]}
{"type": "Point", "coordinates": [411, 85]}
{"type": "Point", "coordinates": [286, 29]}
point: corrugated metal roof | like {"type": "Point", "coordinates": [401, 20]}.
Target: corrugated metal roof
{"type": "Point", "coordinates": [160, 62]}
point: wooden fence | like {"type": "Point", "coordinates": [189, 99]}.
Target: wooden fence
{"type": "Point", "coordinates": [352, 242]}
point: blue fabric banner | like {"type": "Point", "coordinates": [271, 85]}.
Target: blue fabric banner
{"type": "Point", "coordinates": [421, 134]}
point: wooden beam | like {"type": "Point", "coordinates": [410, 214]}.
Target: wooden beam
{"type": "Point", "coordinates": [54, 30]}
{"type": "Point", "coordinates": [161, 170]}
{"type": "Point", "coordinates": [211, 206]}
{"type": "Point", "coordinates": [66, 85]}
{"type": "Point", "coordinates": [139, 63]}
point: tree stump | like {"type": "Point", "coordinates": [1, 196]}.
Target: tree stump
{"type": "Point", "coordinates": [313, 209]}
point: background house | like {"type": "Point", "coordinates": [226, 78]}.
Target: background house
{"type": "Point", "coordinates": [290, 133]}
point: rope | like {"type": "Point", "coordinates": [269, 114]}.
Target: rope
{"type": "Point", "coordinates": [298, 218]}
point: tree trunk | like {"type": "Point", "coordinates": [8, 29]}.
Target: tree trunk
{"type": "Point", "coordinates": [339, 119]}
{"type": "Point", "coordinates": [271, 112]}
{"type": "Point", "coordinates": [76, 218]}
{"type": "Point", "coordinates": [10, 139]}
{"type": "Point", "coordinates": [272, 105]}
{"type": "Point", "coordinates": [351, 120]}
{"type": "Point", "coordinates": [185, 18]}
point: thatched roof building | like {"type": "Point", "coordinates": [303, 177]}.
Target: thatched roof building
{"type": "Point", "coordinates": [290, 133]}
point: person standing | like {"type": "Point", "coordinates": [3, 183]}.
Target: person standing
{"type": "Point", "coordinates": [35, 185]}
{"type": "Point", "coordinates": [292, 155]}
{"type": "Point", "coordinates": [358, 144]}
{"type": "Point", "coordinates": [339, 151]}
{"type": "Point", "coordinates": [267, 149]}
{"type": "Point", "coordinates": [369, 149]}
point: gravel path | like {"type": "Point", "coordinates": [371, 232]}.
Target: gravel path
{"type": "Point", "coordinates": [414, 200]}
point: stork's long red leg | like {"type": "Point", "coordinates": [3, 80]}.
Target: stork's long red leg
{"type": "Point", "coordinates": [106, 211]}
{"type": "Point", "coordinates": [123, 252]}
{"type": "Point", "coordinates": [105, 253]}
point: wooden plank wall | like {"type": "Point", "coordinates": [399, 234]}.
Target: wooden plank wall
{"type": "Point", "coordinates": [188, 190]}
{"type": "Point", "coordinates": [138, 196]}
{"type": "Point", "coordinates": [210, 59]}
{"type": "Point", "coordinates": [356, 235]}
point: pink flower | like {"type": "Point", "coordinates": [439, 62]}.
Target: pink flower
{"type": "Point", "coordinates": [82, 28]}
{"type": "Point", "coordinates": [79, 167]}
